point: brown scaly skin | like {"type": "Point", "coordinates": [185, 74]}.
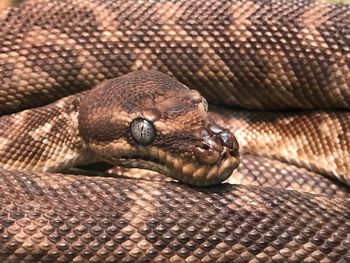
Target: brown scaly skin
{"type": "Point", "coordinates": [235, 52]}
{"type": "Point", "coordinates": [258, 171]}
{"type": "Point", "coordinates": [62, 218]}
{"type": "Point", "coordinates": [292, 54]}
{"type": "Point", "coordinates": [316, 140]}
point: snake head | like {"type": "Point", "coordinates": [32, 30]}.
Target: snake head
{"type": "Point", "coordinates": [149, 120]}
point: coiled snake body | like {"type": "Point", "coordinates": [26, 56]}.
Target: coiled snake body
{"type": "Point", "coordinates": [265, 55]}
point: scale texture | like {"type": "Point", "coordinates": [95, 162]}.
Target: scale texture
{"type": "Point", "coordinates": [62, 218]}
{"type": "Point", "coordinates": [265, 55]}
{"type": "Point", "coordinates": [289, 54]}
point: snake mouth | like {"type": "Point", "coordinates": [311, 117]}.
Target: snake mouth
{"type": "Point", "coordinates": [209, 157]}
{"type": "Point", "coordinates": [179, 167]}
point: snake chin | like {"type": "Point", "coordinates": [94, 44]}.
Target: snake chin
{"type": "Point", "coordinates": [186, 170]}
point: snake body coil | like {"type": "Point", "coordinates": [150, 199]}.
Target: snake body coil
{"type": "Point", "coordinates": [266, 55]}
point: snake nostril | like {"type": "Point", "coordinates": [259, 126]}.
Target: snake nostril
{"type": "Point", "coordinates": [205, 146]}
{"type": "Point", "coordinates": [234, 152]}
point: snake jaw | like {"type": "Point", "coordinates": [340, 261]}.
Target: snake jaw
{"type": "Point", "coordinates": [178, 167]}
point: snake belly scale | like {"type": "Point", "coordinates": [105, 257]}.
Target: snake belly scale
{"type": "Point", "coordinates": [124, 82]}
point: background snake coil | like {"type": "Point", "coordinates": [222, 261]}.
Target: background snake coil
{"type": "Point", "coordinates": [277, 75]}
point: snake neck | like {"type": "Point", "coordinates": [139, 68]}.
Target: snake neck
{"type": "Point", "coordinates": [52, 143]}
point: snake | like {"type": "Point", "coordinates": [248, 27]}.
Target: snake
{"type": "Point", "coordinates": [253, 93]}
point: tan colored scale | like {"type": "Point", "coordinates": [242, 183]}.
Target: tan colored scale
{"type": "Point", "coordinates": [276, 136]}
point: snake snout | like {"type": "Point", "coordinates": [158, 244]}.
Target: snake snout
{"type": "Point", "coordinates": [218, 149]}
{"type": "Point", "coordinates": [215, 143]}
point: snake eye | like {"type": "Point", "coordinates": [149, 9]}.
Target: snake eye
{"type": "Point", "coordinates": [142, 131]}
{"type": "Point", "coordinates": [205, 104]}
